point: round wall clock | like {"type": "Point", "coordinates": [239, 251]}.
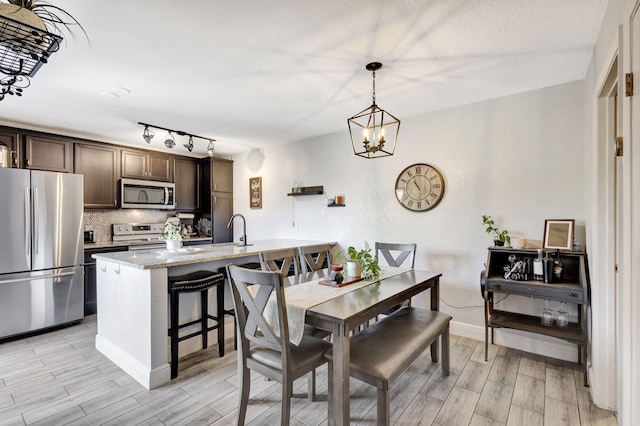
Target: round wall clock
{"type": "Point", "coordinates": [420, 187]}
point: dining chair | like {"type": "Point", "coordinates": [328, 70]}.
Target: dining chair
{"type": "Point", "coordinates": [260, 348]}
{"type": "Point", "coordinates": [396, 255]}
{"type": "Point", "coordinates": [314, 258]}
{"type": "Point", "coordinates": [284, 261]}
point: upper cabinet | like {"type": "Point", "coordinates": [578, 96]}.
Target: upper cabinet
{"type": "Point", "coordinates": [146, 165]}
{"type": "Point", "coordinates": [222, 175]}
{"type": "Point", "coordinates": [48, 153]}
{"type": "Point", "coordinates": [98, 163]}
{"type": "Point", "coordinates": [187, 175]}
{"type": "Point", "coordinates": [12, 140]}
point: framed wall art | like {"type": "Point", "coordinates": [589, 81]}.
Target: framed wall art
{"type": "Point", "coordinates": [558, 234]}
{"type": "Point", "coordinates": [255, 193]}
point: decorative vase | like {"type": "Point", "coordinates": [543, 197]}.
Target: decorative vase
{"type": "Point", "coordinates": [173, 245]}
{"type": "Point", "coordinates": [354, 269]}
{"type": "Point", "coordinates": [498, 243]}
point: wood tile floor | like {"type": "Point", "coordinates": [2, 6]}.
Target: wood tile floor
{"type": "Point", "coordinates": [59, 378]}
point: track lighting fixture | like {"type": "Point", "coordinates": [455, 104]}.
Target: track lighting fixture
{"type": "Point", "coordinates": [147, 135]}
{"type": "Point", "coordinates": [189, 145]}
{"type": "Point", "coordinates": [170, 141]}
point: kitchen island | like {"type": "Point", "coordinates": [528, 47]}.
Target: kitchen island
{"type": "Point", "coordinates": [133, 311]}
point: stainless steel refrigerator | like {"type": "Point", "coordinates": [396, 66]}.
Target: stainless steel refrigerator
{"type": "Point", "coordinates": [41, 250]}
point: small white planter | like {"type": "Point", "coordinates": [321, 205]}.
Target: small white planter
{"type": "Point", "coordinates": [173, 245]}
{"type": "Point", "coordinates": [354, 269]}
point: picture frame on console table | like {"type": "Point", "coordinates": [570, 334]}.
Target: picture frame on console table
{"type": "Point", "coordinates": [558, 234]}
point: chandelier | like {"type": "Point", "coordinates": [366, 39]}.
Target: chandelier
{"type": "Point", "coordinates": [170, 142]}
{"type": "Point", "coordinates": [373, 131]}
{"type": "Point", "coordinates": [23, 50]}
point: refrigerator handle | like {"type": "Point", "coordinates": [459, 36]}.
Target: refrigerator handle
{"type": "Point", "coordinates": [36, 219]}
{"type": "Point", "coordinates": [27, 222]}
{"type": "Point", "coordinates": [39, 277]}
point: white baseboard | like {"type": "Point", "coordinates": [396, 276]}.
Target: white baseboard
{"type": "Point", "coordinates": [516, 339]}
{"type": "Point", "coordinates": [148, 378]}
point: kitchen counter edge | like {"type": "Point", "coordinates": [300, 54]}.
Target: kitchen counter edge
{"type": "Point", "coordinates": [153, 259]}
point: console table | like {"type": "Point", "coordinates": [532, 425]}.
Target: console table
{"type": "Point", "coordinates": [574, 288]}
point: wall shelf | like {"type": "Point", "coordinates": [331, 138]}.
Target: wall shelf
{"type": "Point", "coordinates": [308, 190]}
{"type": "Point", "coordinates": [336, 205]}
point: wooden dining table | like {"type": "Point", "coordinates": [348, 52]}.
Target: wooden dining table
{"type": "Point", "coordinates": [346, 312]}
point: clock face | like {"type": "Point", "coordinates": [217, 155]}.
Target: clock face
{"type": "Point", "coordinates": [420, 187]}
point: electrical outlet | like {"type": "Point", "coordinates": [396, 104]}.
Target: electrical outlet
{"type": "Point", "coordinates": [294, 225]}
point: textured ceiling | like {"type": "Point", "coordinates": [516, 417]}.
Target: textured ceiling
{"type": "Point", "coordinates": [253, 73]}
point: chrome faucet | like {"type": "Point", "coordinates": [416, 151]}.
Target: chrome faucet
{"type": "Point", "coordinates": [244, 228]}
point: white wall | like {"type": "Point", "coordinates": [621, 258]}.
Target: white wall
{"type": "Point", "coordinates": [518, 158]}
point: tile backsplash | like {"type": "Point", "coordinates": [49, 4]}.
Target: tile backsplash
{"type": "Point", "coordinates": [101, 220]}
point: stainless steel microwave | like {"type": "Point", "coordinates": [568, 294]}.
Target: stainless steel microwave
{"type": "Point", "coordinates": [147, 194]}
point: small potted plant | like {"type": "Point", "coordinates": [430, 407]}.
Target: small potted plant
{"type": "Point", "coordinates": [500, 236]}
{"type": "Point", "coordinates": [360, 262]}
{"type": "Point", "coordinates": [172, 236]}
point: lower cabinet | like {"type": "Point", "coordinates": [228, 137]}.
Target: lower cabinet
{"type": "Point", "coordinates": [90, 293]}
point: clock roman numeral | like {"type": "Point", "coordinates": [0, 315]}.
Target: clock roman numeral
{"type": "Point", "coordinates": [419, 204]}
{"type": "Point", "coordinates": [410, 203]}
{"type": "Point", "coordinates": [418, 170]}
{"type": "Point", "coordinates": [409, 173]}
{"type": "Point", "coordinates": [436, 185]}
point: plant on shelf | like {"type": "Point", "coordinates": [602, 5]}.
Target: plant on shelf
{"type": "Point", "coordinates": [500, 237]}
{"type": "Point", "coordinates": [40, 14]}
{"type": "Point", "coordinates": [360, 262]}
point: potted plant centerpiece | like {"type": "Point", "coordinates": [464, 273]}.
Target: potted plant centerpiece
{"type": "Point", "coordinates": [360, 262]}
{"type": "Point", "coordinates": [500, 236]}
{"type": "Point", "coordinates": [171, 234]}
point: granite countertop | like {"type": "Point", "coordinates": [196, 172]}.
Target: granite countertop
{"type": "Point", "coordinates": [107, 244]}
{"type": "Point", "coordinates": [154, 258]}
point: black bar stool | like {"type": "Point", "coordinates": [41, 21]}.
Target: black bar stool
{"type": "Point", "coordinates": [200, 281]}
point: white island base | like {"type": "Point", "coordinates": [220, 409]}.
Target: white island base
{"type": "Point", "coordinates": [133, 311]}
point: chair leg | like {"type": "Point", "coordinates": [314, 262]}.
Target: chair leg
{"type": "Point", "coordinates": [445, 351]}
{"type": "Point", "coordinates": [244, 379]}
{"type": "Point", "coordinates": [220, 317]}
{"type": "Point", "coordinates": [204, 321]}
{"type": "Point", "coordinates": [286, 402]}
{"type": "Point", "coordinates": [175, 303]}
{"type": "Point", "coordinates": [311, 386]}
{"type": "Point", "coordinates": [383, 405]}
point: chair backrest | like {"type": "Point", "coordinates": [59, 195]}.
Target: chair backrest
{"type": "Point", "coordinates": [312, 258]}
{"type": "Point", "coordinates": [396, 254]}
{"type": "Point", "coordinates": [280, 261]}
{"type": "Point", "coordinates": [251, 290]}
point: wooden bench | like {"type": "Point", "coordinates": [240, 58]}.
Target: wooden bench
{"type": "Point", "coordinates": [382, 352]}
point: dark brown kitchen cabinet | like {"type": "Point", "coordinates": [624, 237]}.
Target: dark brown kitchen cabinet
{"type": "Point", "coordinates": [48, 153]}
{"type": "Point", "coordinates": [222, 176]}
{"type": "Point", "coordinates": [186, 176]}
{"type": "Point", "coordinates": [222, 210]}
{"type": "Point", "coordinates": [217, 196]}
{"type": "Point", "coordinates": [98, 164]}
{"type": "Point", "coordinates": [146, 165]}
{"type": "Point", "coordinates": [12, 140]}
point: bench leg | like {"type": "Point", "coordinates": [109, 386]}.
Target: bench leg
{"type": "Point", "coordinates": [220, 317]}
{"type": "Point", "coordinates": [434, 351]}
{"type": "Point", "coordinates": [383, 405]}
{"type": "Point", "coordinates": [445, 351]}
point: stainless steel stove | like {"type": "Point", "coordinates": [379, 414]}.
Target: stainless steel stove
{"type": "Point", "coordinates": [140, 236]}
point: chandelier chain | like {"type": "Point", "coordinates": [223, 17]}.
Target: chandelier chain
{"type": "Point", "coordinates": [374, 87]}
